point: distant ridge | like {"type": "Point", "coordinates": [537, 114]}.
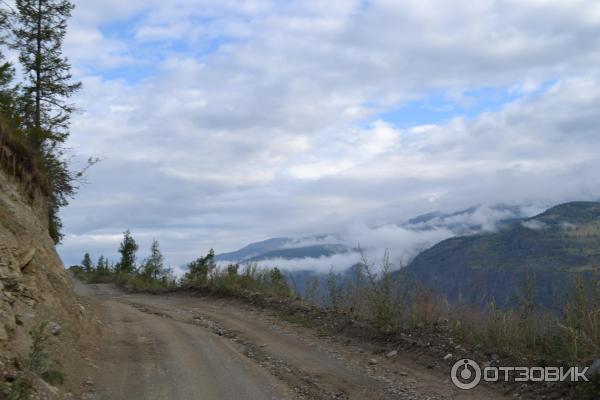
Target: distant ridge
{"type": "Point", "coordinates": [253, 250]}
{"type": "Point", "coordinates": [553, 246]}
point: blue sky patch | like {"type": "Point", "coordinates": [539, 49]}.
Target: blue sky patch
{"type": "Point", "coordinates": [149, 54]}
{"type": "Point", "coordinates": [441, 107]}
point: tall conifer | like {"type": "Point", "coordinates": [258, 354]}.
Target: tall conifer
{"type": "Point", "coordinates": [39, 30]}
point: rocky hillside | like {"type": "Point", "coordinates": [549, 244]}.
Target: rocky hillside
{"type": "Point", "coordinates": [554, 246]}
{"type": "Point", "coordinates": [34, 287]}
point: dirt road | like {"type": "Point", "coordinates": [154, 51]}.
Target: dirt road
{"type": "Point", "coordinates": [181, 347]}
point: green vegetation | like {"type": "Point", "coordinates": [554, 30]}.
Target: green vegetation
{"type": "Point", "coordinates": [150, 275]}
{"type": "Point", "coordinates": [38, 363]}
{"type": "Point", "coordinates": [43, 114]}
{"type": "Point", "coordinates": [39, 29]}
{"type": "Point", "coordinates": [556, 246]}
{"type": "Point", "coordinates": [335, 291]}
{"type": "Point", "coordinates": [384, 303]}
{"type": "Point", "coordinates": [202, 274]}
{"type": "Point", "coordinates": [198, 270]}
{"type": "Point", "coordinates": [87, 264]}
{"type": "Point", "coordinates": [34, 106]}
{"type": "Point", "coordinates": [19, 389]}
{"type": "Point", "coordinates": [128, 250]}
{"type": "Point", "coordinates": [391, 302]}
{"type": "Point", "coordinates": [153, 266]}
{"type": "Point", "coordinates": [395, 303]}
{"type": "Point", "coordinates": [573, 335]}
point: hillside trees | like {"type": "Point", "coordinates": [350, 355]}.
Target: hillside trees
{"type": "Point", "coordinates": [40, 29]}
{"type": "Point", "coordinates": [43, 109]}
{"type": "Point", "coordinates": [153, 267]}
{"type": "Point", "coordinates": [8, 89]}
{"type": "Point", "coordinates": [128, 250]}
{"type": "Point", "coordinates": [198, 270]}
{"type": "Point", "coordinates": [335, 291]}
{"type": "Point", "coordinates": [151, 274]}
{"type": "Point", "coordinates": [102, 266]}
{"type": "Point", "coordinates": [38, 108]}
{"type": "Point", "coordinates": [278, 282]}
{"type": "Point", "coordinates": [87, 263]}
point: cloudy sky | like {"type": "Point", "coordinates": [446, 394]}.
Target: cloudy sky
{"type": "Point", "coordinates": [223, 122]}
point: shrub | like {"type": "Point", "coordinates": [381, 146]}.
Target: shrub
{"type": "Point", "coordinates": [19, 389]}
{"type": "Point", "coordinates": [38, 362]}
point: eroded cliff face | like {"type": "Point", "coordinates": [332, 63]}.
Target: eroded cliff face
{"type": "Point", "coordinates": [34, 286]}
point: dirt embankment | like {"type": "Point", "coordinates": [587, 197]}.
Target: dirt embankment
{"type": "Point", "coordinates": [34, 287]}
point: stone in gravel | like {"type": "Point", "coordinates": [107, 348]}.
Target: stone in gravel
{"type": "Point", "coordinates": [373, 361]}
{"type": "Point", "coordinates": [448, 357]}
{"type": "Point", "coordinates": [391, 354]}
{"type": "Point", "coordinates": [55, 328]}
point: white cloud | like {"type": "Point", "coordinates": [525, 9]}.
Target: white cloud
{"type": "Point", "coordinates": [253, 118]}
{"type": "Point", "coordinates": [534, 225]}
{"type": "Point", "coordinates": [402, 245]}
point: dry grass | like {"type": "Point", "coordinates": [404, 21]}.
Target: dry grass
{"type": "Point", "coordinates": [20, 161]}
{"type": "Point", "coordinates": [396, 305]}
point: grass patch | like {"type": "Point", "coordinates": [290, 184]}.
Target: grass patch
{"type": "Point", "coordinates": [38, 362]}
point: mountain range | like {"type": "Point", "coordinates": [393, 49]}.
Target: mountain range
{"type": "Point", "coordinates": [550, 249]}
{"type": "Point", "coordinates": [491, 252]}
{"type": "Point", "coordinates": [287, 249]}
{"type": "Point", "coordinates": [466, 222]}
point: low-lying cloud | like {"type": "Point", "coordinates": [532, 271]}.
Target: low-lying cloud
{"type": "Point", "coordinates": [402, 243]}
{"type": "Point", "coordinates": [289, 118]}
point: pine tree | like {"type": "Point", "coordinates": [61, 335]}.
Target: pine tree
{"type": "Point", "coordinates": [334, 290]}
{"type": "Point", "coordinates": [41, 111]}
{"type": "Point", "coordinates": [128, 250]}
{"type": "Point", "coordinates": [88, 265]}
{"type": "Point", "coordinates": [199, 269]}
{"type": "Point", "coordinates": [8, 90]}
{"type": "Point", "coordinates": [154, 265]}
{"type": "Point", "coordinates": [102, 266]}
{"type": "Point", "coordinates": [527, 308]}
{"type": "Point", "coordinates": [279, 283]}
{"type": "Point", "coordinates": [39, 31]}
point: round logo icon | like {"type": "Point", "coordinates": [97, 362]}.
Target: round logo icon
{"type": "Point", "coordinates": [466, 374]}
